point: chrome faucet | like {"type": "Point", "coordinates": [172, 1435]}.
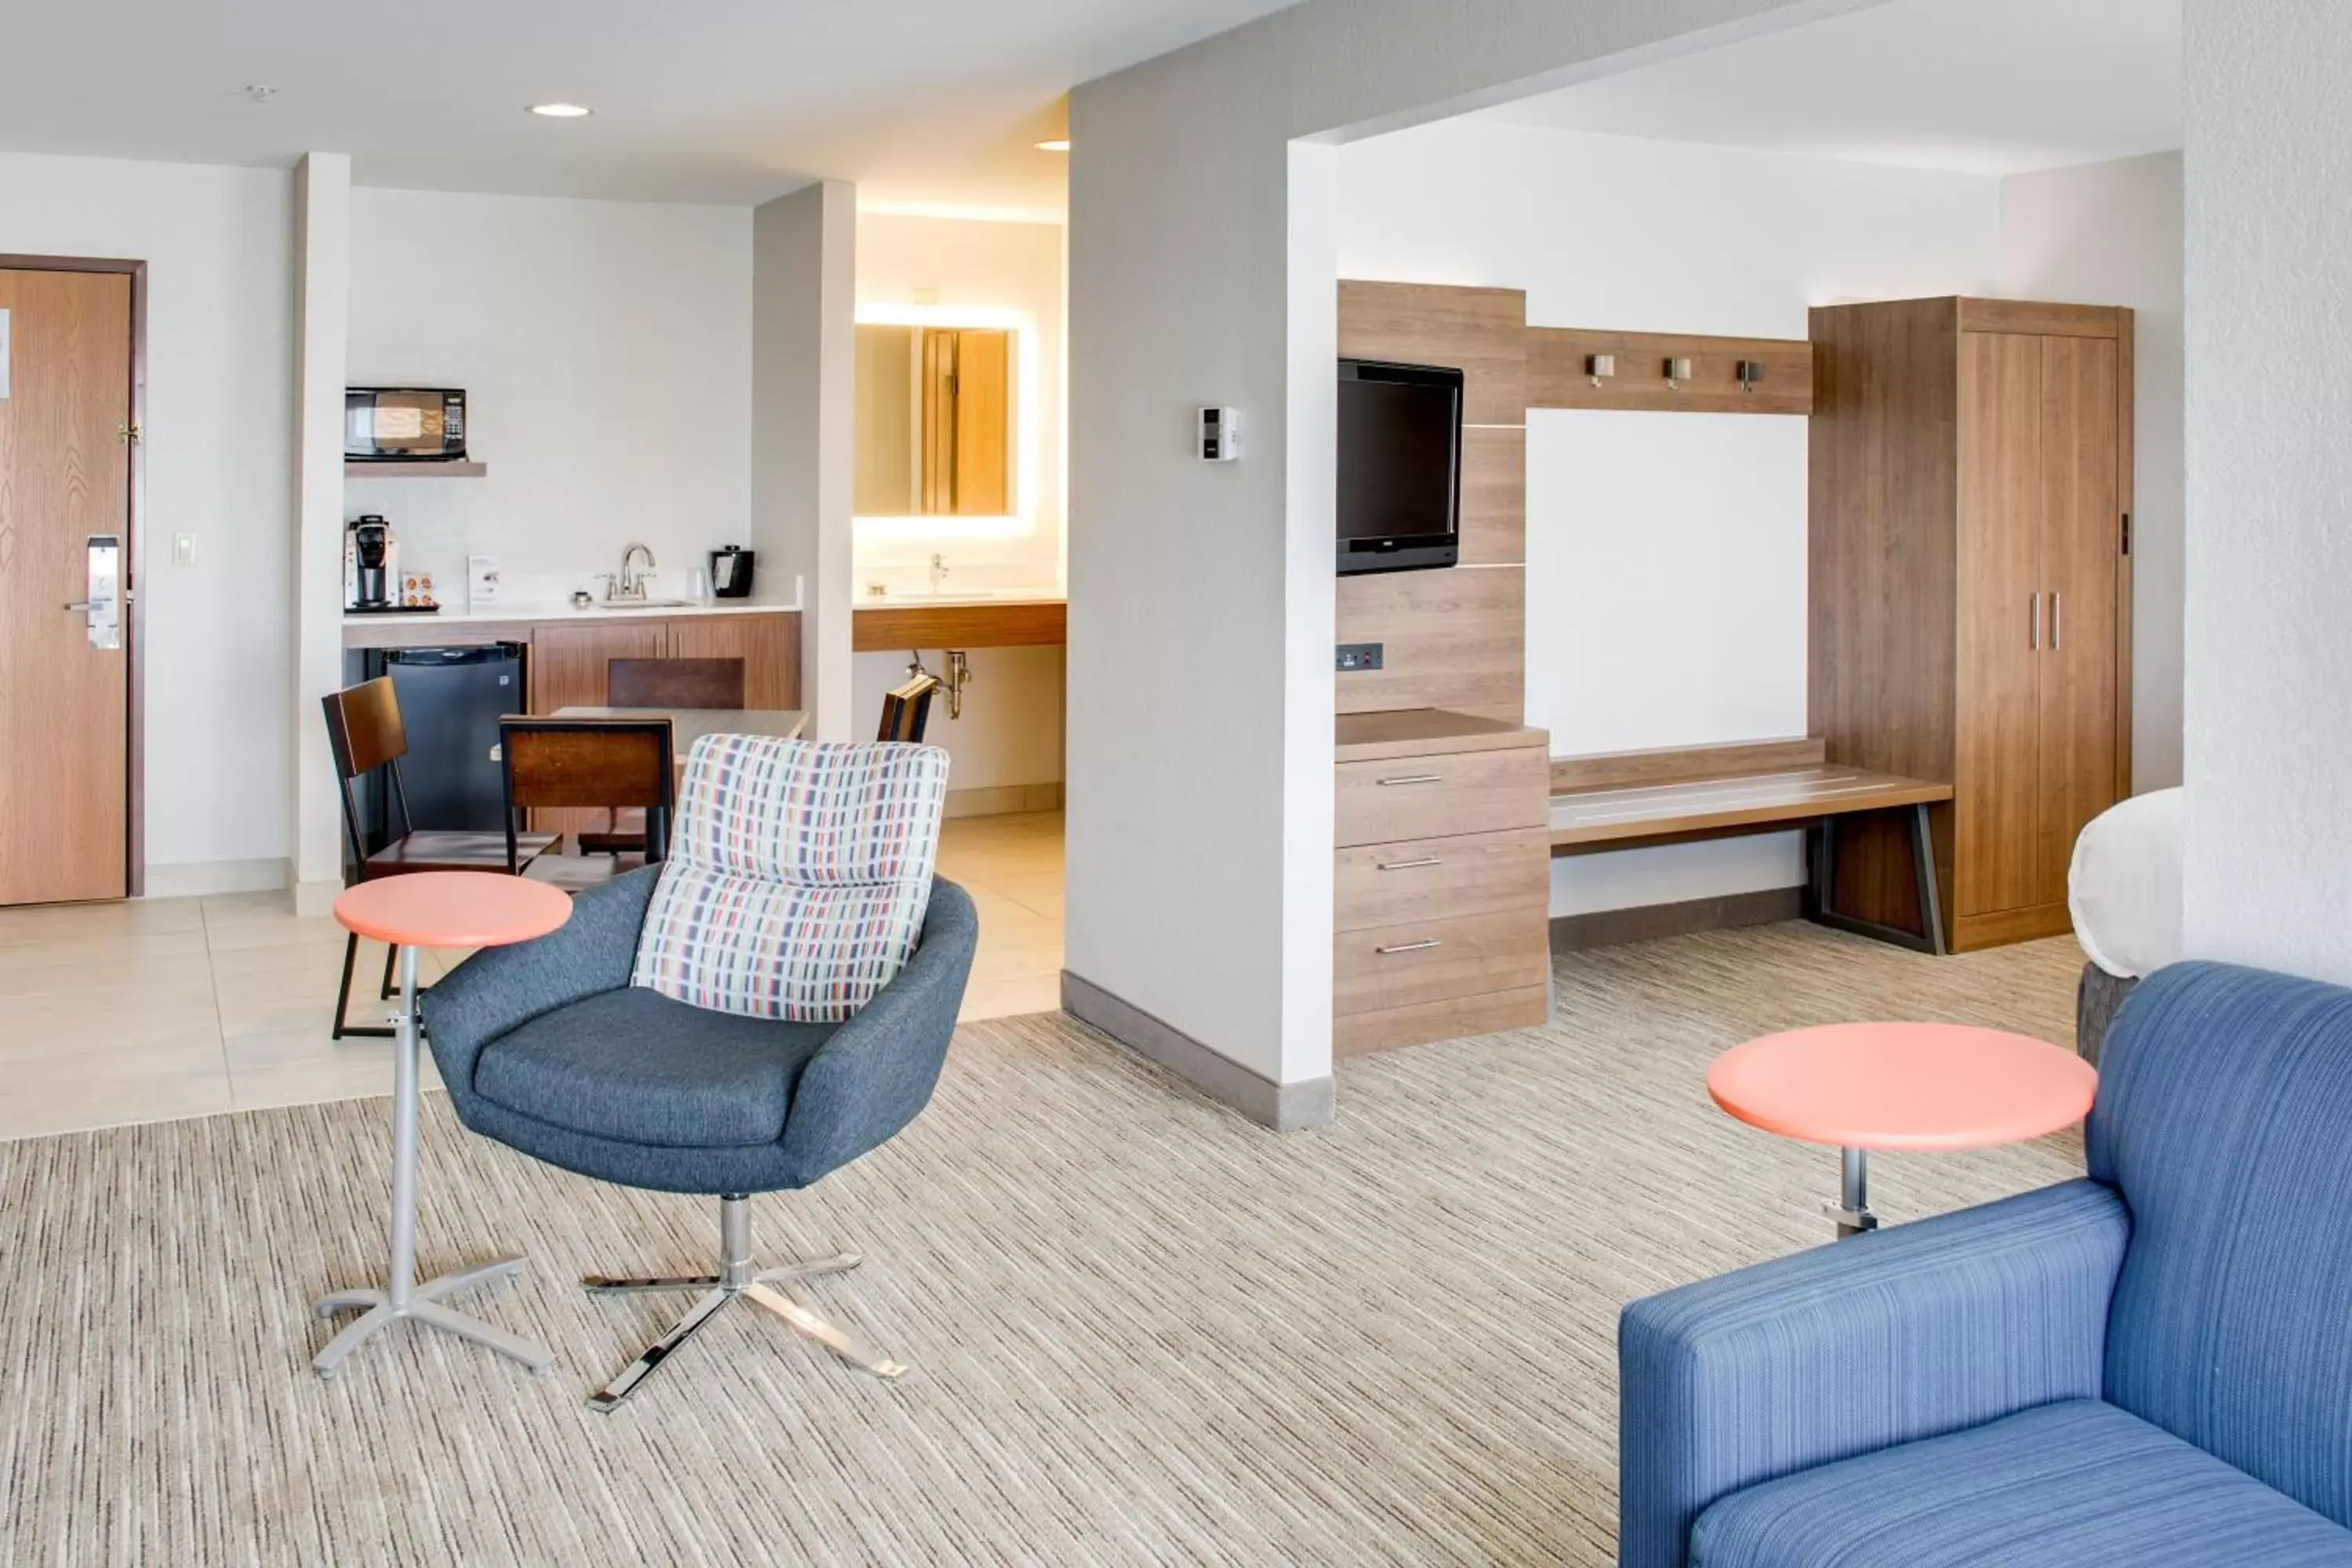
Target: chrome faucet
{"type": "Point", "coordinates": [938, 571]}
{"type": "Point", "coordinates": [631, 584]}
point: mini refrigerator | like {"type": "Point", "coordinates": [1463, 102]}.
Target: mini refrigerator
{"type": "Point", "coordinates": [451, 700]}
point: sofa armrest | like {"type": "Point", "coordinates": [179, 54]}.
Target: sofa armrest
{"type": "Point", "coordinates": [501, 989]}
{"type": "Point", "coordinates": [1859, 1346]}
{"type": "Point", "coordinates": [876, 1074]}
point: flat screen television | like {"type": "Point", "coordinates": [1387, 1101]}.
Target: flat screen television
{"type": "Point", "coordinates": [1399, 466]}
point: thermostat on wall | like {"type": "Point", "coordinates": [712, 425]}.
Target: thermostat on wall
{"type": "Point", "coordinates": [1221, 434]}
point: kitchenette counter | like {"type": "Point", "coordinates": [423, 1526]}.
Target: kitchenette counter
{"type": "Point", "coordinates": [453, 627]}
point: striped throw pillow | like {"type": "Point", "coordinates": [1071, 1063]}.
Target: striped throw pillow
{"type": "Point", "coordinates": [798, 876]}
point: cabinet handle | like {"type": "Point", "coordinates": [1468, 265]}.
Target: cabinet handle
{"type": "Point", "coordinates": [2057, 623]}
{"type": "Point", "coordinates": [2033, 622]}
{"type": "Point", "coordinates": [1425, 860]}
{"type": "Point", "coordinates": [1422, 946]}
{"type": "Point", "coordinates": [1414, 779]}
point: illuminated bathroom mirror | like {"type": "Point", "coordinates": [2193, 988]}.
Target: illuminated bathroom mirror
{"type": "Point", "coordinates": [936, 421]}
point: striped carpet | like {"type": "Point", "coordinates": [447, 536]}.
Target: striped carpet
{"type": "Point", "coordinates": [1142, 1331]}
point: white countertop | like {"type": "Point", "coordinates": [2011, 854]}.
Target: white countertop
{"type": "Point", "coordinates": [561, 610]}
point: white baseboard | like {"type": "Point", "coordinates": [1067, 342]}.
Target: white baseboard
{"type": "Point", "coordinates": [203, 878]}
{"type": "Point", "coordinates": [1004, 800]}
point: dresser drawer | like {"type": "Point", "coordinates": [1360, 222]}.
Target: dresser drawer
{"type": "Point", "coordinates": [1434, 960]}
{"type": "Point", "coordinates": [1430, 878]}
{"type": "Point", "coordinates": [1388, 801]}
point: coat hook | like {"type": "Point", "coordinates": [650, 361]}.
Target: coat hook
{"type": "Point", "coordinates": [1677, 372]}
{"type": "Point", "coordinates": [1599, 367]}
{"type": "Point", "coordinates": [1751, 374]}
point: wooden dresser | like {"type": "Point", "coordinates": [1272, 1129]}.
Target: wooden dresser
{"type": "Point", "coordinates": [1443, 880]}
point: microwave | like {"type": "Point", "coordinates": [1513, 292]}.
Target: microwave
{"type": "Point", "coordinates": [404, 425]}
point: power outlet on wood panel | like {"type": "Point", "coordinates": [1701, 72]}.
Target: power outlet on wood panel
{"type": "Point", "coordinates": [1360, 656]}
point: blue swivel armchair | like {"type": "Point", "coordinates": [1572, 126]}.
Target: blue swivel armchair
{"type": "Point", "coordinates": [2151, 1367]}
{"type": "Point", "coordinates": [772, 1002]}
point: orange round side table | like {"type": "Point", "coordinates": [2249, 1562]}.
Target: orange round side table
{"type": "Point", "coordinates": [432, 909]}
{"type": "Point", "coordinates": [1899, 1086]}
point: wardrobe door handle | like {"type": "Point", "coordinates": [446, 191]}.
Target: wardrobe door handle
{"type": "Point", "coordinates": [1413, 779]}
{"type": "Point", "coordinates": [2057, 632]}
{"type": "Point", "coordinates": [1422, 946]}
{"type": "Point", "coordinates": [1426, 860]}
{"type": "Point", "coordinates": [2033, 622]}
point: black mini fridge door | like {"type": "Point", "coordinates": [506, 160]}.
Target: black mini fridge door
{"type": "Point", "coordinates": [451, 700]}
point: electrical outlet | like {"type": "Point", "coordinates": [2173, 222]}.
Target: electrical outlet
{"type": "Point", "coordinates": [1360, 656]}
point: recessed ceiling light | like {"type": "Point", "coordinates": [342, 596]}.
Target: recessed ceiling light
{"type": "Point", "coordinates": [561, 111]}
{"type": "Point", "coordinates": [1058, 145]}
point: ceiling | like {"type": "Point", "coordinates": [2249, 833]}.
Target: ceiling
{"type": "Point", "coordinates": [921, 101]}
{"type": "Point", "coordinates": [1988, 86]}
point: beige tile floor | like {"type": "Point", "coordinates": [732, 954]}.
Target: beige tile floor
{"type": "Point", "coordinates": [154, 1010]}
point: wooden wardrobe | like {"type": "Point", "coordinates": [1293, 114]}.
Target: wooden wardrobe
{"type": "Point", "coordinates": [1970, 579]}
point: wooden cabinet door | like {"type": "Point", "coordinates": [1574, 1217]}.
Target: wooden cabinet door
{"type": "Point", "coordinates": [769, 646]}
{"type": "Point", "coordinates": [2080, 440]}
{"type": "Point", "coordinates": [1997, 851]}
{"type": "Point", "coordinates": [568, 669]}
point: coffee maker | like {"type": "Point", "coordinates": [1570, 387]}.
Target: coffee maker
{"type": "Point", "coordinates": [370, 566]}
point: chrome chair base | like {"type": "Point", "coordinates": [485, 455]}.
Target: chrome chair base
{"type": "Point", "coordinates": [735, 1280]}
{"type": "Point", "coordinates": [379, 1311]}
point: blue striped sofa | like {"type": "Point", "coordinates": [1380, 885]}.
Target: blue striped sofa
{"type": "Point", "coordinates": [2151, 1367]}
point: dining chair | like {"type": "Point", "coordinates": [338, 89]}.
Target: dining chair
{"type": "Point", "coordinates": [907, 709]}
{"type": "Point", "coordinates": [615, 765]}
{"type": "Point", "coordinates": [365, 730]}
{"type": "Point", "coordinates": [673, 683]}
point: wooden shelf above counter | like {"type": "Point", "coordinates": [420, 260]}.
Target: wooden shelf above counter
{"type": "Point", "coordinates": [880, 626]}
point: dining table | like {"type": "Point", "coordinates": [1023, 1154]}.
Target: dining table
{"type": "Point", "coordinates": [688, 725]}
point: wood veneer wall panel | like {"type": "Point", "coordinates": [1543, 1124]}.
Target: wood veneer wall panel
{"type": "Point", "coordinates": [1454, 639]}
{"type": "Point", "coordinates": [1482, 332]}
{"type": "Point", "coordinates": [1557, 378]}
{"type": "Point", "coordinates": [1493, 496]}
{"type": "Point", "coordinates": [2125, 507]}
{"type": "Point", "coordinates": [1883, 564]}
{"type": "Point", "coordinates": [1680, 764]}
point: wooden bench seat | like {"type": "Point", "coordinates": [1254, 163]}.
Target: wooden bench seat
{"type": "Point", "coordinates": [1631, 800]}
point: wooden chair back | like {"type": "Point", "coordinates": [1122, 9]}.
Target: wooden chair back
{"type": "Point", "coordinates": [674, 683]}
{"type": "Point", "coordinates": [364, 730]}
{"type": "Point", "coordinates": [907, 709]}
{"type": "Point", "coordinates": [592, 764]}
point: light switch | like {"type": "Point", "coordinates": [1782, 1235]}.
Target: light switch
{"type": "Point", "coordinates": [183, 550]}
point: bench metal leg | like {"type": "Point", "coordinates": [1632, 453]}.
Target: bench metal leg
{"type": "Point", "coordinates": [1821, 884]}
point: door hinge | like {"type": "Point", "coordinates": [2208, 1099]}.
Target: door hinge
{"type": "Point", "coordinates": [130, 433]}
{"type": "Point", "coordinates": [2127, 533]}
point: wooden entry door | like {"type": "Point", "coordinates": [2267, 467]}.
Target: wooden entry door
{"type": "Point", "coordinates": [64, 479]}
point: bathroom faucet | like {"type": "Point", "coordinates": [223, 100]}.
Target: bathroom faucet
{"type": "Point", "coordinates": [938, 570]}
{"type": "Point", "coordinates": [631, 584]}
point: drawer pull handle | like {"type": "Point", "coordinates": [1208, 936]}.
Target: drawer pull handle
{"type": "Point", "coordinates": [1422, 946]}
{"type": "Point", "coordinates": [1425, 860]}
{"type": "Point", "coordinates": [1414, 779]}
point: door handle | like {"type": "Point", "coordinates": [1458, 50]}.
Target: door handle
{"type": "Point", "coordinates": [2033, 622]}
{"type": "Point", "coordinates": [2057, 623]}
{"type": "Point", "coordinates": [103, 598]}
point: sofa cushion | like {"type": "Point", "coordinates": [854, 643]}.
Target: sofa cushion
{"type": "Point", "coordinates": [798, 876]}
{"type": "Point", "coordinates": [633, 1066]}
{"type": "Point", "coordinates": [2075, 1484]}
{"type": "Point", "coordinates": [2225, 1095]}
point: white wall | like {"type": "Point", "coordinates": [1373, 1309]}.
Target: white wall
{"type": "Point", "coordinates": [2268, 648]}
{"type": "Point", "coordinates": [1011, 732]}
{"type": "Point", "coordinates": [606, 350]}
{"type": "Point", "coordinates": [2109, 233]}
{"type": "Point", "coordinates": [804, 428]}
{"type": "Point", "coordinates": [218, 245]}
{"type": "Point", "coordinates": [1200, 817]}
{"type": "Point", "coordinates": [1666, 553]}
